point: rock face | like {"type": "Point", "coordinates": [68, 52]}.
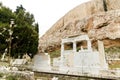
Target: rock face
{"type": "Point", "coordinates": [100, 19]}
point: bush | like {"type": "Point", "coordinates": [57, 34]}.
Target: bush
{"type": "Point", "coordinates": [112, 50]}
{"type": "Point", "coordinates": [1, 75]}
{"type": "Point", "coordinates": [55, 53]}
{"type": "Point", "coordinates": [10, 77]}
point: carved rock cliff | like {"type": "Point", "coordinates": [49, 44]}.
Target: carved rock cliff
{"type": "Point", "coordinates": [100, 19]}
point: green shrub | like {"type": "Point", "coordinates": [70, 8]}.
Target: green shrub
{"type": "Point", "coordinates": [1, 75]}
{"type": "Point", "coordinates": [55, 53]}
{"type": "Point", "coordinates": [112, 50]}
{"type": "Point", "coordinates": [10, 77]}
{"type": "Point", "coordinates": [114, 66]}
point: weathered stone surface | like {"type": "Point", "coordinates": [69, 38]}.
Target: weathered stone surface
{"type": "Point", "coordinates": [41, 62]}
{"type": "Point", "coordinates": [79, 59]}
{"type": "Point", "coordinates": [88, 18]}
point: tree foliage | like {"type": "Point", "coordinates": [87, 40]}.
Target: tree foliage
{"type": "Point", "coordinates": [25, 31]}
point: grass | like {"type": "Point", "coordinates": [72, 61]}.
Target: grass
{"type": "Point", "coordinates": [10, 77]}
{"type": "Point", "coordinates": [112, 50]}
{"type": "Point", "coordinates": [1, 75]}
{"type": "Point", "coordinates": [113, 66]}
{"type": "Point", "coordinates": [55, 54]}
{"type": "Point", "coordinates": [3, 63]}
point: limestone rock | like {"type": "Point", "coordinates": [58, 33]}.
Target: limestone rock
{"type": "Point", "coordinates": [88, 18]}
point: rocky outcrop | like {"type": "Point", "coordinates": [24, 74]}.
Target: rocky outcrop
{"type": "Point", "coordinates": [100, 19]}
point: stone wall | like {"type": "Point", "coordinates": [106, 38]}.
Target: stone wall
{"type": "Point", "coordinates": [41, 62]}
{"type": "Point", "coordinates": [88, 18]}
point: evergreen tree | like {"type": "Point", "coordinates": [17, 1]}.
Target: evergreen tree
{"type": "Point", "coordinates": [25, 31]}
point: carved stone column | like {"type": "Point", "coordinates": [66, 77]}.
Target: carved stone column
{"type": "Point", "coordinates": [102, 54]}
{"type": "Point", "coordinates": [74, 46]}
{"type": "Point", "coordinates": [89, 45]}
